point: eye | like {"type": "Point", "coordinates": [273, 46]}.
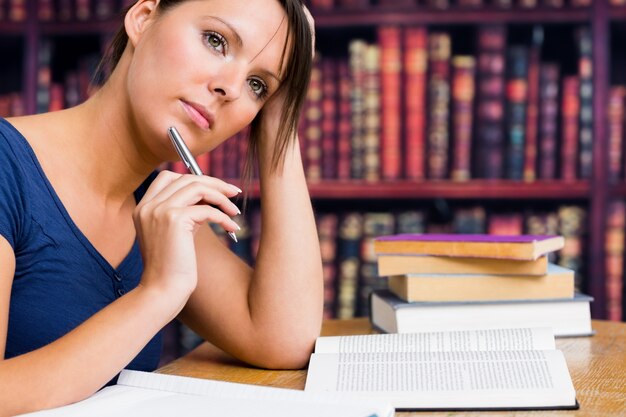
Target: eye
{"type": "Point", "coordinates": [258, 87]}
{"type": "Point", "coordinates": [215, 41]}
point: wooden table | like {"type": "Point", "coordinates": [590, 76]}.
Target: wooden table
{"type": "Point", "coordinates": [597, 365]}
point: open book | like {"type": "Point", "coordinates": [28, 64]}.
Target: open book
{"type": "Point", "coordinates": [140, 394]}
{"type": "Point", "coordinates": [459, 370]}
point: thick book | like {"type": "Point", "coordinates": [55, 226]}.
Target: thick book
{"type": "Point", "coordinates": [425, 264]}
{"type": "Point", "coordinates": [499, 369]}
{"type": "Point", "coordinates": [566, 316]}
{"type": "Point", "coordinates": [521, 247]}
{"type": "Point", "coordinates": [558, 282]}
{"type": "Point", "coordinates": [139, 394]}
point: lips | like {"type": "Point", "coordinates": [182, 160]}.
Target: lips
{"type": "Point", "coordinates": [199, 115]}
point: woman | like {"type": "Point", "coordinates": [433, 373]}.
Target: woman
{"type": "Point", "coordinates": [97, 255]}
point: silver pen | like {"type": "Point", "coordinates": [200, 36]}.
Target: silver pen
{"type": "Point", "coordinates": [188, 159]}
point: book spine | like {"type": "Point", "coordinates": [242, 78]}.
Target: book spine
{"type": "Point", "coordinates": [415, 70]}
{"type": "Point", "coordinates": [45, 10]}
{"type": "Point", "coordinates": [348, 264]}
{"type": "Point", "coordinates": [570, 108]}
{"type": "Point", "coordinates": [463, 73]}
{"type": "Point", "coordinates": [548, 120]}
{"type": "Point", "coordinates": [532, 109]}
{"type": "Point", "coordinates": [615, 114]}
{"type": "Point", "coordinates": [614, 261]}
{"type": "Point", "coordinates": [517, 100]}
{"type": "Point", "coordinates": [572, 220]}
{"type": "Point", "coordinates": [357, 49]}
{"type": "Point", "coordinates": [17, 10]}
{"type": "Point", "coordinates": [585, 76]}
{"type": "Point", "coordinates": [371, 114]}
{"type": "Point", "coordinates": [506, 224]}
{"type": "Point", "coordinates": [329, 119]}
{"type": "Point", "coordinates": [439, 50]}
{"type": "Point", "coordinates": [327, 230]}
{"type": "Point", "coordinates": [313, 134]}
{"type": "Point", "coordinates": [471, 220]}
{"type": "Point", "coordinates": [344, 125]}
{"type": "Point", "coordinates": [374, 225]}
{"type": "Point", "coordinates": [44, 76]}
{"type": "Point", "coordinates": [390, 74]}
{"type": "Point", "coordinates": [489, 148]}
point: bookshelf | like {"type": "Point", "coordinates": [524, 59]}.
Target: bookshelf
{"type": "Point", "coordinates": [336, 26]}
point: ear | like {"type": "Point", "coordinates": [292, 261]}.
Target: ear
{"type": "Point", "coordinates": [138, 18]}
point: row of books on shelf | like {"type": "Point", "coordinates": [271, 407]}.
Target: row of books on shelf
{"type": "Point", "coordinates": [347, 238]}
{"type": "Point", "coordinates": [61, 10]}
{"type": "Point", "coordinates": [405, 107]}
{"type": "Point", "coordinates": [446, 4]}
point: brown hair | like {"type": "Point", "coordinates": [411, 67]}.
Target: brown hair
{"type": "Point", "coordinates": [295, 78]}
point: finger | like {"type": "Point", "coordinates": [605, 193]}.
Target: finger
{"type": "Point", "coordinates": [162, 180]}
{"type": "Point", "coordinates": [200, 215]}
{"type": "Point", "coordinates": [197, 192]}
{"type": "Point", "coordinates": [171, 185]}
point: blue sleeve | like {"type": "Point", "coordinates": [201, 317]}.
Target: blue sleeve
{"type": "Point", "coordinates": [11, 194]}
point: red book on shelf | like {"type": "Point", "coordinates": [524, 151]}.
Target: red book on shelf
{"type": "Point", "coordinates": [371, 114]}
{"type": "Point", "coordinates": [17, 10]}
{"type": "Point", "coordinates": [329, 118]}
{"type": "Point", "coordinates": [570, 108]}
{"type": "Point", "coordinates": [344, 122]}
{"type": "Point", "coordinates": [389, 38]}
{"type": "Point", "coordinates": [45, 10]}
{"type": "Point", "coordinates": [357, 50]}
{"type": "Point", "coordinates": [439, 51]}
{"type": "Point", "coordinates": [463, 72]}
{"type": "Point", "coordinates": [415, 72]}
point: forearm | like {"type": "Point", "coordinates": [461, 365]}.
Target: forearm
{"type": "Point", "coordinates": [286, 294]}
{"type": "Point", "coordinates": [79, 363]}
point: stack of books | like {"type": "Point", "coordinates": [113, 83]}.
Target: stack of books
{"type": "Point", "coordinates": [459, 282]}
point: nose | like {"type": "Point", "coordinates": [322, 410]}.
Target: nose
{"type": "Point", "coordinates": [228, 81]}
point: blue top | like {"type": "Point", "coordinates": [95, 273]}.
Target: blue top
{"type": "Point", "coordinates": [60, 278]}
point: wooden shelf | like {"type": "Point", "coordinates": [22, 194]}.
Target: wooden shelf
{"type": "Point", "coordinates": [476, 189]}
{"type": "Point", "coordinates": [13, 28]}
{"type": "Point", "coordinates": [617, 13]}
{"type": "Point", "coordinates": [410, 16]}
{"type": "Point", "coordinates": [96, 27]}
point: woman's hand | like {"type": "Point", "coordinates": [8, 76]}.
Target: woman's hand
{"type": "Point", "coordinates": [166, 219]}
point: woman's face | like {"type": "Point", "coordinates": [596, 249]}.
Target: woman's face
{"type": "Point", "coordinates": [205, 67]}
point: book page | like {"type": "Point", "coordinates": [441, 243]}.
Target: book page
{"type": "Point", "coordinates": [445, 380]}
{"type": "Point", "coordinates": [462, 340]}
{"type": "Point", "coordinates": [140, 394]}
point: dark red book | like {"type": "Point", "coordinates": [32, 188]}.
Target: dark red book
{"type": "Point", "coordinates": [489, 148]}
{"type": "Point", "coordinates": [329, 118]}
{"type": "Point", "coordinates": [344, 122]}
{"type": "Point", "coordinates": [415, 73]}
{"type": "Point", "coordinates": [463, 73]}
{"type": "Point", "coordinates": [548, 120]}
{"type": "Point", "coordinates": [439, 51]}
{"type": "Point", "coordinates": [389, 39]}
{"type": "Point", "coordinates": [570, 109]}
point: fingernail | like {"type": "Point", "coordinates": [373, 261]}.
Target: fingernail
{"type": "Point", "coordinates": [236, 188]}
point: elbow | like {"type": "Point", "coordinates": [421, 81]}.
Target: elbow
{"type": "Point", "coordinates": [288, 353]}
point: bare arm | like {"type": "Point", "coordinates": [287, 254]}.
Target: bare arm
{"type": "Point", "coordinates": [79, 363]}
{"type": "Point", "coordinates": [76, 365]}
{"type": "Point", "coordinates": [271, 316]}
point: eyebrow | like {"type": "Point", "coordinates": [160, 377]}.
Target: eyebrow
{"type": "Point", "coordinates": [240, 43]}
